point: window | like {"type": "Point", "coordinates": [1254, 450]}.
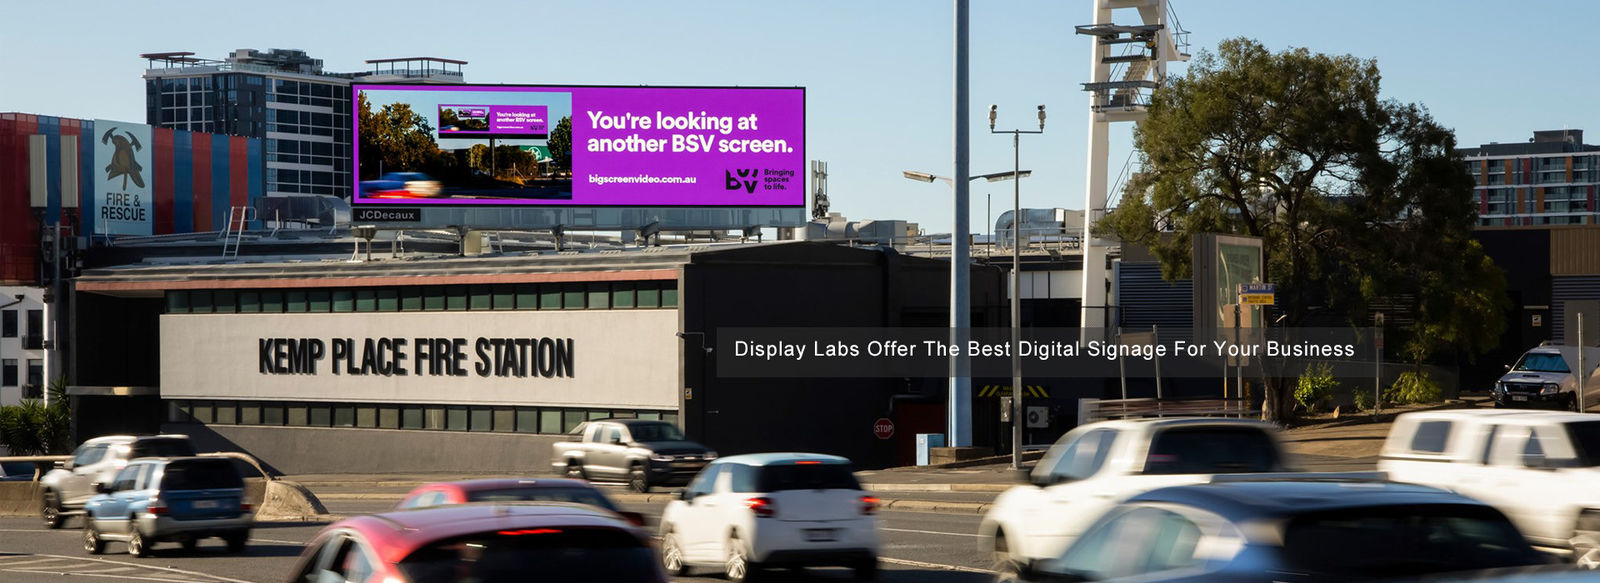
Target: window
{"type": "Point", "coordinates": [622, 295]}
{"type": "Point", "coordinates": [504, 298]}
{"type": "Point", "coordinates": [433, 298]}
{"type": "Point", "coordinates": [344, 300]}
{"type": "Point", "coordinates": [433, 418]}
{"type": "Point", "coordinates": [480, 297]}
{"type": "Point", "coordinates": [272, 414]}
{"type": "Point", "coordinates": [249, 302]}
{"type": "Point", "coordinates": [222, 302]}
{"type": "Point", "coordinates": [1212, 450]}
{"type": "Point", "coordinates": [366, 416]}
{"type": "Point", "coordinates": [669, 296]}
{"type": "Point", "coordinates": [550, 421]}
{"type": "Point", "coordinates": [344, 416]}
{"type": "Point", "coordinates": [1140, 540]}
{"type": "Point", "coordinates": [296, 416]}
{"type": "Point", "coordinates": [456, 419]}
{"type": "Point", "coordinates": [1081, 458]}
{"type": "Point", "coordinates": [481, 419]}
{"type": "Point", "coordinates": [570, 419]}
{"type": "Point", "coordinates": [455, 297]}
{"type": "Point", "coordinates": [410, 299]}
{"type": "Point", "coordinates": [200, 302]}
{"type": "Point", "coordinates": [227, 413]}
{"type": "Point", "coordinates": [250, 414]}
{"type": "Point", "coordinates": [36, 377]}
{"type": "Point", "coordinates": [88, 454]}
{"type": "Point", "coordinates": [527, 421]}
{"type": "Point", "coordinates": [599, 296]}
{"type": "Point", "coordinates": [177, 303]}
{"type": "Point", "coordinates": [296, 301]}
{"type": "Point", "coordinates": [649, 296]}
{"type": "Point", "coordinates": [550, 297]}
{"type": "Point", "coordinates": [8, 372]}
{"type": "Point", "coordinates": [388, 300]}
{"type": "Point", "coordinates": [572, 296]}
{"type": "Point", "coordinates": [366, 300]}
{"type": "Point", "coordinates": [411, 418]}
{"type": "Point", "coordinates": [1431, 437]}
{"type": "Point", "coordinates": [318, 300]}
{"type": "Point", "coordinates": [320, 415]}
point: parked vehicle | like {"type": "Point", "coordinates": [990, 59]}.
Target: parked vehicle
{"type": "Point", "coordinates": [1543, 377]}
{"type": "Point", "coordinates": [403, 185]}
{"type": "Point", "coordinates": [745, 513]}
{"type": "Point", "coordinates": [1542, 468]}
{"type": "Point", "coordinates": [64, 490]}
{"type": "Point", "coordinates": [642, 452]}
{"type": "Point", "coordinates": [1098, 465]}
{"type": "Point", "coordinates": [513, 490]}
{"type": "Point", "coordinates": [182, 499]}
{"type": "Point", "coordinates": [1298, 527]}
{"type": "Point", "coordinates": [483, 543]}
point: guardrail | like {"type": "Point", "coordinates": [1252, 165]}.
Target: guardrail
{"type": "Point", "coordinates": [38, 470]}
{"type": "Point", "coordinates": [1090, 410]}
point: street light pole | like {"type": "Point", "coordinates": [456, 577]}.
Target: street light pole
{"type": "Point", "coordinates": [1016, 283]}
{"type": "Point", "coordinates": [959, 422]}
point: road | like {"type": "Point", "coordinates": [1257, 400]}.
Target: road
{"type": "Point", "coordinates": [918, 546]}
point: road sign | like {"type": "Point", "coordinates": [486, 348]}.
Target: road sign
{"type": "Point", "coordinates": [1257, 299]}
{"type": "Point", "coordinates": [883, 428]}
{"type": "Point", "coordinates": [1038, 417]}
{"type": "Point", "coordinates": [1258, 288]}
{"type": "Point", "coordinates": [1258, 294]}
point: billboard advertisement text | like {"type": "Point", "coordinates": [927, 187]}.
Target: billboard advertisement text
{"type": "Point", "coordinates": [123, 174]}
{"type": "Point", "coordinates": [580, 146]}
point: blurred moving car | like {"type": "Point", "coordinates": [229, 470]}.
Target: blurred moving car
{"type": "Point", "coordinates": [748, 512]}
{"type": "Point", "coordinates": [1289, 528]}
{"type": "Point", "coordinates": [64, 490]}
{"type": "Point", "coordinates": [1543, 377]}
{"type": "Point", "coordinates": [402, 185]}
{"type": "Point", "coordinates": [183, 499]}
{"type": "Point", "coordinates": [1542, 468]}
{"type": "Point", "coordinates": [643, 452]}
{"type": "Point", "coordinates": [513, 490]}
{"type": "Point", "coordinates": [16, 471]}
{"type": "Point", "coordinates": [482, 543]}
{"type": "Point", "coordinates": [1097, 465]}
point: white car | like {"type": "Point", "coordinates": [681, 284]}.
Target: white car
{"type": "Point", "coordinates": [64, 490]}
{"type": "Point", "coordinates": [1097, 466]}
{"type": "Point", "coordinates": [748, 512]}
{"type": "Point", "coordinates": [1541, 468]}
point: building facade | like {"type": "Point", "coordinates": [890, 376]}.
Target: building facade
{"type": "Point", "coordinates": [1549, 180]}
{"type": "Point", "coordinates": [282, 96]}
{"type": "Point", "coordinates": [25, 363]}
{"type": "Point", "coordinates": [442, 363]}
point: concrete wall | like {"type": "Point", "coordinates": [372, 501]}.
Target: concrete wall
{"type": "Point", "coordinates": [316, 450]}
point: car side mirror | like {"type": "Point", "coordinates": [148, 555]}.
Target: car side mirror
{"type": "Point", "coordinates": [102, 488]}
{"type": "Point", "coordinates": [63, 464]}
{"type": "Point", "coordinates": [616, 441]}
{"type": "Point", "coordinates": [686, 496]}
{"type": "Point", "coordinates": [1537, 461]}
{"type": "Point", "coordinates": [1508, 368]}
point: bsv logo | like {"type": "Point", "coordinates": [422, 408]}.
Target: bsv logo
{"type": "Point", "coordinates": [736, 183]}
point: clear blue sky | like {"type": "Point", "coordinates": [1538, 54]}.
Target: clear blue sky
{"type": "Point", "coordinates": [878, 73]}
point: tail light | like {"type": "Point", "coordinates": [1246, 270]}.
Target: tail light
{"type": "Point", "coordinates": [763, 507]}
{"type": "Point", "coordinates": [869, 505]}
{"type": "Point", "coordinates": [157, 506]}
{"type": "Point", "coordinates": [245, 507]}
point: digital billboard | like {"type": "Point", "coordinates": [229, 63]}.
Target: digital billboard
{"type": "Point", "coordinates": [525, 145]}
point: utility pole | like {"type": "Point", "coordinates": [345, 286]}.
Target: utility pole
{"type": "Point", "coordinates": [1016, 280]}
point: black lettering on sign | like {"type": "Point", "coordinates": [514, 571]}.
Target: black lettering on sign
{"type": "Point", "coordinates": [340, 353]}
{"type": "Point", "coordinates": [399, 363]}
{"type": "Point", "coordinates": [481, 365]}
{"type": "Point", "coordinates": [369, 364]}
{"type": "Point", "coordinates": [458, 353]}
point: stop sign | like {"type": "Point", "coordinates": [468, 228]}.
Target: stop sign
{"type": "Point", "coordinates": [883, 428]}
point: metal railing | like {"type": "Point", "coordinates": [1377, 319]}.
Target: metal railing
{"type": "Point", "coordinates": [52, 459]}
{"type": "Point", "coordinates": [1090, 410]}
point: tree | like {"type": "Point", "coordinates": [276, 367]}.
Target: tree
{"type": "Point", "coordinates": [395, 136]}
{"type": "Point", "coordinates": [561, 145]}
{"type": "Point", "coordinates": [1356, 198]}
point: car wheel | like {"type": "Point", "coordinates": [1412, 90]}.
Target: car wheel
{"type": "Point", "coordinates": [867, 570]}
{"type": "Point", "coordinates": [137, 545]}
{"type": "Point", "coordinates": [1005, 569]}
{"type": "Point", "coordinates": [738, 567]}
{"type": "Point", "coordinates": [50, 509]}
{"type": "Point", "coordinates": [672, 555]}
{"type": "Point", "coordinates": [91, 538]}
{"type": "Point", "coordinates": [1572, 403]}
{"type": "Point", "coordinates": [1586, 541]}
{"type": "Point", "coordinates": [236, 542]}
{"type": "Point", "coordinates": [575, 470]}
{"type": "Point", "coordinates": [638, 480]}
{"type": "Point", "coordinates": [190, 544]}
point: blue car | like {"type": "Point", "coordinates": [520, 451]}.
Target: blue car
{"type": "Point", "coordinates": [180, 499]}
{"type": "Point", "coordinates": [1300, 528]}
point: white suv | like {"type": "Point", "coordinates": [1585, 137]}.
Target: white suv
{"type": "Point", "coordinates": [64, 490]}
{"type": "Point", "coordinates": [749, 512]}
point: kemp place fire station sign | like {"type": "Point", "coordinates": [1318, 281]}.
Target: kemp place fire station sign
{"type": "Point", "coordinates": [623, 358]}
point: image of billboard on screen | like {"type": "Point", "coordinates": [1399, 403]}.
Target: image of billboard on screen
{"type": "Point", "coordinates": [579, 146]}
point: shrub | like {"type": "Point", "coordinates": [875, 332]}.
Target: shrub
{"type": "Point", "coordinates": [1363, 399]}
{"type": "Point", "coordinates": [1315, 387]}
{"type": "Point", "coordinates": [1414, 387]}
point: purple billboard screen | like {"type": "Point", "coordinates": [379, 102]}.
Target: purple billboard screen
{"type": "Point", "coordinates": [497, 121]}
{"type": "Point", "coordinates": [580, 146]}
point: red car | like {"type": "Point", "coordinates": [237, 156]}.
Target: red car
{"type": "Point", "coordinates": [513, 490]}
{"type": "Point", "coordinates": [481, 543]}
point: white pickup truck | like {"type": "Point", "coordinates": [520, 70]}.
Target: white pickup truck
{"type": "Point", "coordinates": [1098, 465]}
{"type": "Point", "coordinates": [1541, 468]}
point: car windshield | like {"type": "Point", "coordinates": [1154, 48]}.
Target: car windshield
{"type": "Point", "coordinates": [821, 476]}
{"type": "Point", "coordinates": [200, 475]}
{"type": "Point", "coordinates": [1542, 362]}
{"type": "Point", "coordinates": [555, 554]}
{"type": "Point", "coordinates": [1399, 541]}
{"type": "Point", "coordinates": [161, 447]}
{"type": "Point", "coordinates": [1212, 450]}
{"type": "Point", "coordinates": [1586, 440]}
{"type": "Point", "coordinates": [588, 496]}
{"type": "Point", "coordinates": [655, 432]}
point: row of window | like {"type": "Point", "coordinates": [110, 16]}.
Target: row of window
{"type": "Point", "coordinates": [523, 296]}
{"type": "Point", "coordinates": [1553, 220]}
{"type": "Point", "coordinates": [549, 420]}
{"type": "Point", "coordinates": [8, 376]}
{"type": "Point", "coordinates": [8, 323]}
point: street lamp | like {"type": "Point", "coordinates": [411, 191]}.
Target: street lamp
{"type": "Point", "coordinates": [1016, 284]}
{"type": "Point", "coordinates": [960, 378]}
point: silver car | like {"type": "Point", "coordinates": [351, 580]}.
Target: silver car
{"type": "Point", "coordinates": [64, 490]}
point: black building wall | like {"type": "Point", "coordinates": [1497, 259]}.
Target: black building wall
{"type": "Point", "coordinates": [1524, 254]}
{"type": "Point", "coordinates": [816, 285]}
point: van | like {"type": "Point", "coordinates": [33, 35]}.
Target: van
{"type": "Point", "coordinates": [1543, 378]}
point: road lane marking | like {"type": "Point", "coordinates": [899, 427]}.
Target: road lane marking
{"type": "Point", "coordinates": [75, 574]}
{"type": "Point", "coordinates": [281, 542]}
{"type": "Point", "coordinates": [910, 563]}
{"type": "Point", "coordinates": [931, 532]}
{"type": "Point", "coordinates": [153, 567]}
